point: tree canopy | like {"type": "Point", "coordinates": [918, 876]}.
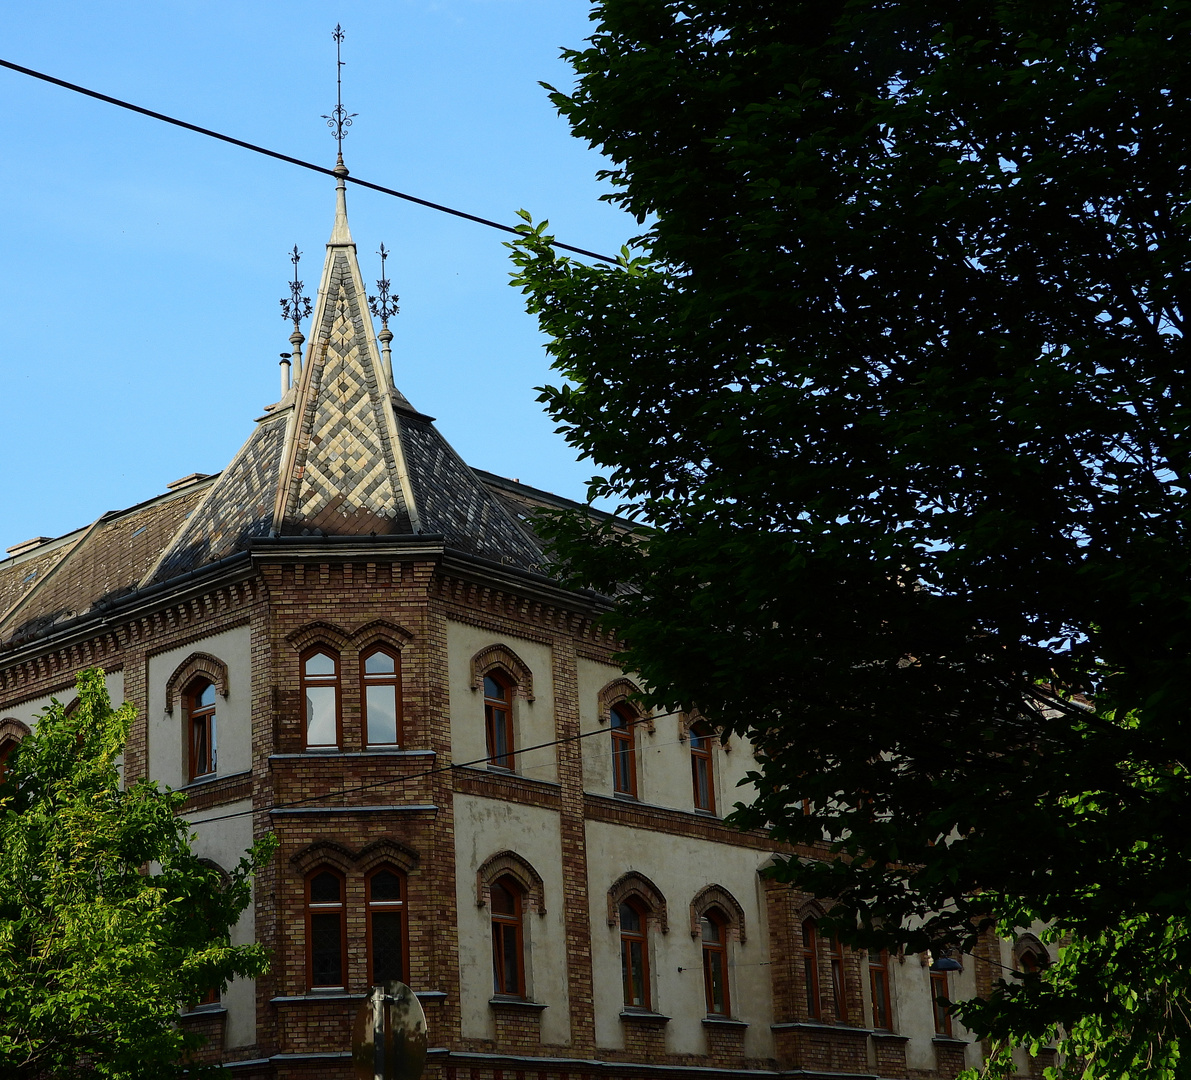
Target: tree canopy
{"type": "Point", "coordinates": [108, 921]}
{"type": "Point", "coordinates": [895, 384]}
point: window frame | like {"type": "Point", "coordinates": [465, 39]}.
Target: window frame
{"type": "Point", "coordinates": [195, 713]}
{"type": "Point", "coordinates": [385, 679]}
{"type": "Point", "coordinates": [839, 978]}
{"type": "Point", "coordinates": [701, 759]}
{"type": "Point", "coordinates": [516, 922]}
{"type": "Point", "coordinates": [808, 949]}
{"type": "Point", "coordinates": [940, 1014]}
{"type": "Point", "coordinates": [627, 939]}
{"type": "Point", "coordinates": [719, 946]}
{"type": "Point", "coordinates": [373, 907]}
{"type": "Point", "coordinates": [503, 680]}
{"type": "Point", "coordinates": [624, 748]}
{"type": "Point", "coordinates": [324, 907]}
{"type": "Point", "coordinates": [335, 681]}
{"type": "Point", "coordinates": [879, 991]}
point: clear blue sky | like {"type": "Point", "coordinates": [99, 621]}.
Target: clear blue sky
{"type": "Point", "coordinates": [142, 265]}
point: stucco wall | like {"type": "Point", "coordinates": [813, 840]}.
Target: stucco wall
{"type": "Point", "coordinates": [27, 711]}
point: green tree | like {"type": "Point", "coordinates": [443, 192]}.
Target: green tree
{"type": "Point", "coordinates": [896, 387]}
{"type": "Point", "coordinates": [108, 921]}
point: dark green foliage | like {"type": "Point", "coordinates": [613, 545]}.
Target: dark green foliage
{"type": "Point", "coordinates": [108, 922]}
{"type": "Point", "coordinates": [898, 390]}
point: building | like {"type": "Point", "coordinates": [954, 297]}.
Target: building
{"type": "Point", "coordinates": [346, 638]}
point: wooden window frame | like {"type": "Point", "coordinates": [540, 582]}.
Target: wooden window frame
{"type": "Point", "coordinates": [720, 921]}
{"type": "Point", "coordinates": [627, 939]}
{"type": "Point", "coordinates": [701, 759]}
{"type": "Point", "coordinates": [326, 907]}
{"type": "Point", "coordinates": [939, 988]}
{"type": "Point", "coordinates": [393, 680]}
{"type": "Point", "coordinates": [839, 977]}
{"type": "Point", "coordinates": [373, 907]}
{"type": "Point", "coordinates": [878, 985]}
{"type": "Point", "coordinates": [624, 748]}
{"type": "Point", "coordinates": [505, 761]}
{"type": "Point", "coordinates": [194, 715]}
{"type": "Point", "coordinates": [517, 922]}
{"type": "Point", "coordinates": [808, 949]}
{"type": "Point", "coordinates": [335, 681]}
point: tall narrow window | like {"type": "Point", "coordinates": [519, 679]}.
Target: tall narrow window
{"type": "Point", "coordinates": [386, 927]}
{"type": "Point", "coordinates": [320, 691]}
{"type": "Point", "coordinates": [381, 672]}
{"type": "Point", "coordinates": [624, 757]}
{"type": "Point", "coordinates": [938, 994]}
{"type": "Point", "coordinates": [878, 982]}
{"type": "Point", "coordinates": [634, 955]}
{"type": "Point", "coordinates": [715, 962]}
{"type": "Point", "coordinates": [498, 721]}
{"type": "Point", "coordinates": [200, 707]}
{"type": "Point", "coordinates": [835, 953]}
{"type": "Point", "coordinates": [701, 774]}
{"type": "Point", "coordinates": [810, 969]}
{"type": "Point", "coordinates": [508, 974]}
{"type": "Point", "coordinates": [325, 929]}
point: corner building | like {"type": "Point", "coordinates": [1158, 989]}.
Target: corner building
{"type": "Point", "coordinates": [345, 638]}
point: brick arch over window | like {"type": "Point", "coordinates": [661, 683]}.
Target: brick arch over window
{"type": "Point", "coordinates": [381, 632]}
{"type": "Point", "coordinates": [503, 658]}
{"type": "Point", "coordinates": [638, 885]}
{"type": "Point", "coordinates": [687, 719]}
{"type": "Point", "coordinates": [1024, 943]}
{"type": "Point", "coordinates": [224, 877]}
{"type": "Point", "coordinates": [510, 864]}
{"type": "Point", "coordinates": [716, 896]}
{"type": "Point", "coordinates": [11, 728]}
{"type": "Point", "coordinates": [320, 633]}
{"type": "Point", "coordinates": [323, 853]}
{"type": "Point", "coordinates": [389, 852]}
{"type": "Point", "coordinates": [811, 909]}
{"type": "Point", "coordinates": [197, 663]}
{"type": "Point", "coordinates": [620, 692]}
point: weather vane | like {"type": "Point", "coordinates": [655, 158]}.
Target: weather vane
{"type": "Point", "coordinates": [295, 307]}
{"type": "Point", "coordinates": [384, 307]}
{"type": "Point", "coordinates": [340, 120]}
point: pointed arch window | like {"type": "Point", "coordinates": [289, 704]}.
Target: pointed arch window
{"type": "Point", "coordinates": [810, 969]}
{"type": "Point", "coordinates": [508, 961]}
{"type": "Point", "coordinates": [200, 722]}
{"type": "Point", "coordinates": [326, 929]}
{"type": "Point", "coordinates": [624, 751]}
{"type": "Point", "coordinates": [498, 719]}
{"type": "Point", "coordinates": [380, 673]}
{"type": "Point", "coordinates": [320, 693]}
{"type": "Point", "coordinates": [878, 983]}
{"type": "Point", "coordinates": [714, 926]}
{"type": "Point", "coordinates": [634, 953]}
{"type": "Point", "coordinates": [387, 926]}
{"type": "Point", "coordinates": [702, 775]}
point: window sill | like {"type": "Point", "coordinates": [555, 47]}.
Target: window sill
{"type": "Point", "coordinates": [343, 995]}
{"type": "Point", "coordinates": [516, 1004]}
{"type": "Point", "coordinates": [210, 778]}
{"type": "Point", "coordinates": [624, 796]}
{"type": "Point", "coordinates": [948, 1040]}
{"type": "Point", "coordinates": [643, 1016]}
{"type": "Point", "coordinates": [329, 751]}
{"type": "Point", "coordinates": [706, 813]}
{"type": "Point", "coordinates": [211, 1009]}
{"type": "Point", "coordinates": [891, 1036]}
{"type": "Point", "coordinates": [818, 1025]}
{"type": "Point", "coordinates": [724, 1021]}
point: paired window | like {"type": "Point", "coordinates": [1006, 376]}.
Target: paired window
{"type": "Point", "coordinates": [326, 927]}
{"type": "Point", "coordinates": [380, 672]}
{"type": "Point", "coordinates": [380, 678]}
{"type": "Point", "coordinates": [386, 927]}
{"type": "Point", "coordinates": [702, 777]}
{"type": "Point", "coordinates": [878, 983]}
{"type": "Point", "coordinates": [200, 710]}
{"type": "Point", "coordinates": [498, 720]}
{"type": "Point", "coordinates": [634, 954]}
{"type": "Point", "coordinates": [624, 756]}
{"type": "Point", "coordinates": [714, 925]}
{"type": "Point", "coordinates": [326, 930]}
{"type": "Point", "coordinates": [506, 901]}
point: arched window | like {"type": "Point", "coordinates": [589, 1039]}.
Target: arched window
{"type": "Point", "coordinates": [498, 720]}
{"type": "Point", "coordinates": [320, 692]}
{"type": "Point", "coordinates": [508, 962]}
{"type": "Point", "coordinates": [835, 954]}
{"type": "Point", "coordinates": [386, 927]}
{"type": "Point", "coordinates": [380, 672]}
{"type": "Point", "coordinates": [624, 755]}
{"type": "Point", "coordinates": [200, 722]}
{"type": "Point", "coordinates": [634, 954]}
{"type": "Point", "coordinates": [714, 925]}
{"type": "Point", "coordinates": [810, 969]}
{"type": "Point", "coordinates": [702, 777]}
{"type": "Point", "coordinates": [878, 982]}
{"type": "Point", "coordinates": [326, 929]}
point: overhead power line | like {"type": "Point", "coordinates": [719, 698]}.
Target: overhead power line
{"type": "Point", "coordinates": [286, 157]}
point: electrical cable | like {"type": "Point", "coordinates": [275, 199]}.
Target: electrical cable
{"type": "Point", "coordinates": [286, 157]}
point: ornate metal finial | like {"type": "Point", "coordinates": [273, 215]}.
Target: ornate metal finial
{"type": "Point", "coordinates": [340, 120]}
{"type": "Point", "coordinates": [383, 306]}
{"type": "Point", "coordinates": [295, 307]}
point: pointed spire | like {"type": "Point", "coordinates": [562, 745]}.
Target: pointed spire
{"type": "Point", "coordinates": [341, 235]}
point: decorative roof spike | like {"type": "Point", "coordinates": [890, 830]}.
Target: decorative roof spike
{"type": "Point", "coordinates": [384, 306]}
{"type": "Point", "coordinates": [339, 120]}
{"type": "Point", "coordinates": [295, 308]}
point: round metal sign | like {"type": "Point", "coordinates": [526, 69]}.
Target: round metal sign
{"type": "Point", "coordinates": [389, 1035]}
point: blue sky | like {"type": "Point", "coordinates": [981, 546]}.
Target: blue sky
{"type": "Point", "coordinates": [141, 265]}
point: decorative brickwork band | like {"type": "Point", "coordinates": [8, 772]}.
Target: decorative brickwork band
{"type": "Point", "coordinates": [503, 658]}
{"type": "Point", "coordinates": [332, 853]}
{"type": "Point", "coordinates": [718, 897]}
{"type": "Point", "coordinates": [638, 885]}
{"type": "Point", "coordinates": [509, 863]}
{"type": "Point", "coordinates": [197, 663]}
{"type": "Point", "coordinates": [323, 853]}
{"type": "Point", "coordinates": [623, 692]}
{"type": "Point", "coordinates": [386, 851]}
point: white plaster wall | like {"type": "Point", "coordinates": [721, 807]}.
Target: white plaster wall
{"type": "Point", "coordinates": [484, 827]}
{"type": "Point", "coordinates": [233, 714]}
{"type": "Point", "coordinates": [680, 867]}
{"type": "Point", "coordinates": [533, 721]}
{"type": "Point", "coordinates": [225, 842]}
{"type": "Point", "coordinates": [913, 1008]}
{"type": "Point", "coordinates": [28, 711]}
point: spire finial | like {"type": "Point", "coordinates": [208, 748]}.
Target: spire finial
{"type": "Point", "coordinates": [295, 308]}
{"type": "Point", "coordinates": [340, 120]}
{"type": "Point", "coordinates": [384, 306]}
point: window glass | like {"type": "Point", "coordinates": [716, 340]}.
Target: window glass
{"type": "Point", "coordinates": [325, 929]}
{"type": "Point", "coordinates": [207, 697]}
{"type": "Point", "coordinates": [878, 975]}
{"type": "Point", "coordinates": [381, 704]}
{"type": "Point", "coordinates": [634, 957]}
{"type": "Point", "coordinates": [379, 663]}
{"type": "Point", "coordinates": [498, 723]}
{"type": "Point", "coordinates": [385, 885]}
{"type": "Point", "coordinates": [810, 969]}
{"type": "Point", "coordinates": [624, 758]}
{"type": "Point", "coordinates": [506, 938]}
{"type": "Point", "coordinates": [386, 927]}
{"type": "Point", "coordinates": [320, 716]}
{"type": "Point", "coordinates": [201, 723]}
{"type": "Point", "coordinates": [320, 664]}
{"type": "Point", "coordinates": [715, 963]}
{"type": "Point", "coordinates": [701, 774]}
{"type": "Point", "coordinates": [324, 888]}
{"type": "Point", "coordinates": [494, 689]}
